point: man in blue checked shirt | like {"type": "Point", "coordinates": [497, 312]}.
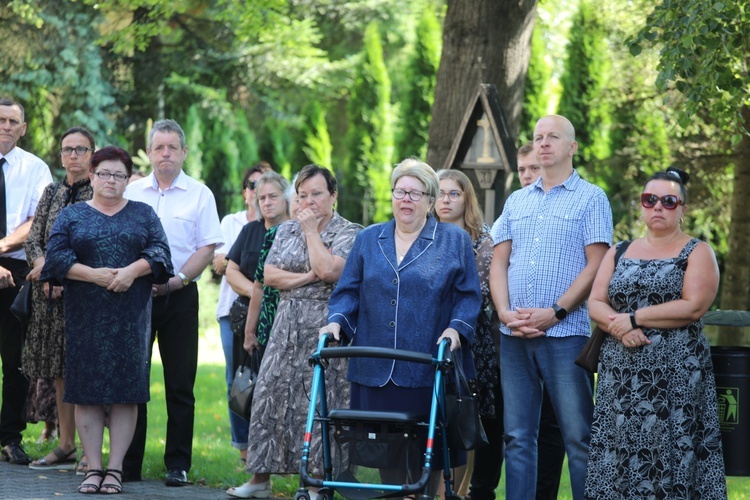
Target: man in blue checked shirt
{"type": "Point", "coordinates": [549, 242]}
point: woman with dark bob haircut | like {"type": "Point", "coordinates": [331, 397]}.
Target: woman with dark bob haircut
{"type": "Point", "coordinates": [107, 253]}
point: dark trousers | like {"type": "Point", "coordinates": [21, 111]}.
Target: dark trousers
{"type": "Point", "coordinates": [174, 323]}
{"type": "Point", "coordinates": [15, 383]}
{"type": "Point", "coordinates": [488, 461]}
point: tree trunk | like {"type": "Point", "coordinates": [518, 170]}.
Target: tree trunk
{"type": "Point", "coordinates": [484, 41]}
{"type": "Point", "coordinates": [735, 287]}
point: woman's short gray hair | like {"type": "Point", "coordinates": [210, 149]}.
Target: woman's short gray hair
{"type": "Point", "coordinates": [277, 180]}
{"type": "Point", "coordinates": [419, 170]}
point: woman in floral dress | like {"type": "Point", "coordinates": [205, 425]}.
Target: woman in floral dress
{"type": "Point", "coordinates": [44, 349]}
{"type": "Point", "coordinates": [656, 429]}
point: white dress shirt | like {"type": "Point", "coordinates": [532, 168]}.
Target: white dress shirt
{"type": "Point", "coordinates": [187, 210]}
{"type": "Point", "coordinates": [26, 176]}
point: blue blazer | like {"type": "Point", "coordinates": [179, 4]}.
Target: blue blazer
{"type": "Point", "coordinates": [380, 303]}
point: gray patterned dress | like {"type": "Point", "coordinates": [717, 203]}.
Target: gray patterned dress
{"type": "Point", "coordinates": [281, 398]}
{"type": "Point", "coordinates": [656, 429]}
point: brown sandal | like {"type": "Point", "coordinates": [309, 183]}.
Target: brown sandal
{"type": "Point", "coordinates": [64, 461]}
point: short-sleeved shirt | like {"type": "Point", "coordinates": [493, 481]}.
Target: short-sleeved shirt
{"type": "Point", "coordinates": [187, 210]}
{"type": "Point", "coordinates": [26, 176]}
{"type": "Point", "coordinates": [550, 233]}
{"type": "Point", "coordinates": [246, 249]}
{"type": "Point", "coordinates": [231, 225]}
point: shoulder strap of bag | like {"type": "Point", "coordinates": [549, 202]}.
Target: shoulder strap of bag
{"type": "Point", "coordinates": [621, 250]}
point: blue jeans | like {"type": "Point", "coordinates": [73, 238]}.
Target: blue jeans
{"type": "Point", "coordinates": [238, 425]}
{"type": "Point", "coordinates": [526, 365]}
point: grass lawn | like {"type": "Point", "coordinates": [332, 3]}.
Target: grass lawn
{"type": "Point", "coordinates": [215, 462]}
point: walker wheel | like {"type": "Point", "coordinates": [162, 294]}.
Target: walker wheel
{"type": "Point", "coordinates": [302, 496]}
{"type": "Point", "coordinates": [325, 494]}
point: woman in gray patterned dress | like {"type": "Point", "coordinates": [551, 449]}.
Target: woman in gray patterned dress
{"type": "Point", "coordinates": [656, 429]}
{"type": "Point", "coordinates": [304, 263]}
{"type": "Point", "coordinates": [44, 349]}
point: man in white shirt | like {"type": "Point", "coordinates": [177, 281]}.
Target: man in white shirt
{"type": "Point", "coordinates": [23, 178]}
{"type": "Point", "coordinates": [187, 210]}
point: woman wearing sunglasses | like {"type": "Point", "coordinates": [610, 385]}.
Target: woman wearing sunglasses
{"type": "Point", "coordinates": [656, 427]}
{"type": "Point", "coordinates": [235, 285]}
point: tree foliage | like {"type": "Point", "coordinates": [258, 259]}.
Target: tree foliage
{"type": "Point", "coordinates": [370, 142]}
{"type": "Point", "coordinates": [416, 107]}
{"type": "Point", "coordinates": [536, 98]}
{"type": "Point", "coordinates": [584, 100]}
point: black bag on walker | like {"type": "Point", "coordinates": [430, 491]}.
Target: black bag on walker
{"type": "Point", "coordinates": [465, 430]}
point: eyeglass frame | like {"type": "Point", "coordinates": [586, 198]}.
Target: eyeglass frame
{"type": "Point", "coordinates": [666, 203]}
{"type": "Point", "coordinates": [117, 176]}
{"type": "Point", "coordinates": [453, 194]}
{"type": "Point", "coordinates": [420, 194]}
{"type": "Point", "coordinates": [67, 151]}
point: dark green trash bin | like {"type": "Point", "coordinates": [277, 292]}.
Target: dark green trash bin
{"type": "Point", "coordinates": [732, 372]}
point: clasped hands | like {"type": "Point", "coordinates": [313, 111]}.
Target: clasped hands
{"type": "Point", "coordinates": [529, 322]}
{"type": "Point", "coordinates": [622, 329]}
{"type": "Point", "coordinates": [114, 280]}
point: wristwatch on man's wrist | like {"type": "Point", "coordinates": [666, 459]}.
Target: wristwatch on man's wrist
{"type": "Point", "coordinates": [560, 313]}
{"type": "Point", "coordinates": [185, 280]}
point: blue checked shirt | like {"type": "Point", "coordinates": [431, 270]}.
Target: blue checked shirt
{"type": "Point", "coordinates": [549, 233]}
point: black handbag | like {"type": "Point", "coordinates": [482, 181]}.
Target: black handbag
{"type": "Point", "coordinates": [465, 430]}
{"type": "Point", "coordinates": [588, 358]}
{"type": "Point", "coordinates": [243, 386]}
{"type": "Point", "coordinates": [238, 315]}
{"type": "Point", "coordinates": [21, 307]}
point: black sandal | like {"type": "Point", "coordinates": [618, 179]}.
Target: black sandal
{"type": "Point", "coordinates": [85, 487]}
{"type": "Point", "coordinates": [115, 487]}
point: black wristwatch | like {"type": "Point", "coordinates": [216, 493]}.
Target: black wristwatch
{"type": "Point", "coordinates": [560, 313]}
{"type": "Point", "coordinates": [633, 322]}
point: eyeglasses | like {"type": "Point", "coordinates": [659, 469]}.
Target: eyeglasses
{"type": "Point", "coordinates": [669, 202]}
{"type": "Point", "coordinates": [250, 185]}
{"type": "Point", "coordinates": [413, 195]}
{"type": "Point", "coordinates": [109, 175]}
{"type": "Point", "coordinates": [452, 195]}
{"type": "Point", "coordinates": [80, 150]}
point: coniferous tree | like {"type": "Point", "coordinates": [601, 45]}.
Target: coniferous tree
{"type": "Point", "coordinates": [584, 83]}
{"type": "Point", "coordinates": [369, 140]}
{"type": "Point", "coordinates": [416, 108]}
{"type": "Point", "coordinates": [317, 146]}
{"type": "Point", "coordinates": [536, 97]}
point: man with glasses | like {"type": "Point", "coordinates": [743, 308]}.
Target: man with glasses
{"type": "Point", "coordinates": [187, 210]}
{"type": "Point", "coordinates": [23, 178]}
{"type": "Point", "coordinates": [549, 242]}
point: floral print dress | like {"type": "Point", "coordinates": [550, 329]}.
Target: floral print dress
{"type": "Point", "coordinates": [282, 390]}
{"type": "Point", "coordinates": [656, 429]}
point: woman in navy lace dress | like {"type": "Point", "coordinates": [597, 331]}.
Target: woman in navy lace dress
{"type": "Point", "coordinates": [107, 252]}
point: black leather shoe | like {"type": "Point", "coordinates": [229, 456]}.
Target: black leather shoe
{"type": "Point", "coordinates": [15, 454]}
{"type": "Point", "coordinates": [177, 477]}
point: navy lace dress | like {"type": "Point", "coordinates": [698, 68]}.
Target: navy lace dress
{"type": "Point", "coordinates": [107, 334]}
{"type": "Point", "coordinates": [656, 429]}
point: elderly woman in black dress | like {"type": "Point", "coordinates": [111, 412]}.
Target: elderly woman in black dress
{"type": "Point", "coordinates": [107, 252]}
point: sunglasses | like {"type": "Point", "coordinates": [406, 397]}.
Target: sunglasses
{"type": "Point", "coordinates": [670, 201]}
{"type": "Point", "coordinates": [250, 185]}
